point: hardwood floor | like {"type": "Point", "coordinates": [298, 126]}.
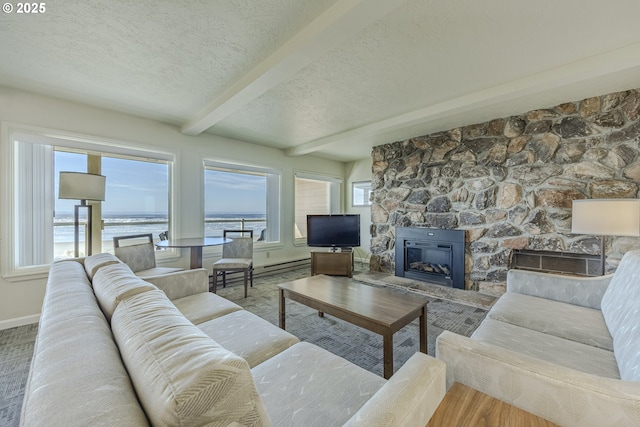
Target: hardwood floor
{"type": "Point", "coordinates": [463, 406]}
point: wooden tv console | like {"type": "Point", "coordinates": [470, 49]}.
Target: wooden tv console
{"type": "Point", "coordinates": [332, 263]}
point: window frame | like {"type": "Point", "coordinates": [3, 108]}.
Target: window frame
{"type": "Point", "coordinates": [9, 132]}
{"type": "Point", "coordinates": [335, 196]}
{"type": "Point", "coordinates": [363, 186]}
{"type": "Point", "coordinates": [273, 197]}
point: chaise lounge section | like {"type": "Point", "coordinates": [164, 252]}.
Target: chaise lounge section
{"type": "Point", "coordinates": [564, 348]}
{"type": "Point", "coordinates": [113, 349]}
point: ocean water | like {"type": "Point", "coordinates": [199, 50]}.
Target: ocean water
{"type": "Point", "coordinates": [127, 224]}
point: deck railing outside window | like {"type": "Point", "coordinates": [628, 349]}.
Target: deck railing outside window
{"type": "Point", "coordinates": [63, 246]}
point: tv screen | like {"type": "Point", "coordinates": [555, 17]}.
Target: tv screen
{"type": "Point", "coordinates": [339, 231]}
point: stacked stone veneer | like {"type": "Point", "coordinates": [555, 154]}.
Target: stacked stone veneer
{"type": "Point", "coordinates": [509, 183]}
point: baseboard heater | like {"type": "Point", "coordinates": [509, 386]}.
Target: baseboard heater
{"type": "Point", "coordinates": [265, 270]}
{"type": "Point", "coordinates": [269, 269]}
{"type": "Point", "coordinates": [556, 262]}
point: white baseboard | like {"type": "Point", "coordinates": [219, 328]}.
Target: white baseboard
{"type": "Point", "coordinates": [19, 321]}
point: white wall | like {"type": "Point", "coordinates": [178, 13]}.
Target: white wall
{"type": "Point", "coordinates": [359, 171]}
{"type": "Point", "coordinates": [20, 301]}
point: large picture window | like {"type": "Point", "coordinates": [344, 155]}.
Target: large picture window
{"type": "Point", "coordinates": [40, 225]}
{"type": "Point", "coordinates": [242, 197]}
{"type": "Point", "coordinates": [314, 195]}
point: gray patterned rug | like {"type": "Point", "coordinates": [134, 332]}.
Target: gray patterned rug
{"type": "Point", "coordinates": [16, 349]}
{"type": "Point", "coordinates": [357, 345]}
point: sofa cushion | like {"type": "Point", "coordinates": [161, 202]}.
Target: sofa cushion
{"type": "Point", "coordinates": [621, 310]}
{"type": "Point", "coordinates": [182, 377]}
{"type": "Point", "coordinates": [204, 306]}
{"type": "Point", "coordinates": [76, 375]}
{"type": "Point", "coordinates": [182, 283]}
{"type": "Point", "coordinates": [115, 283]}
{"type": "Point", "coordinates": [306, 385]}
{"type": "Point", "coordinates": [93, 263]}
{"type": "Point", "coordinates": [572, 322]}
{"type": "Point", "coordinates": [547, 347]}
{"type": "Point", "coordinates": [249, 336]}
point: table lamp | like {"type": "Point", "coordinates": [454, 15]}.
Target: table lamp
{"type": "Point", "coordinates": [606, 217]}
{"type": "Point", "coordinates": [83, 187]}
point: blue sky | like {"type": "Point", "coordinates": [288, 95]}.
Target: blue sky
{"type": "Point", "coordinates": [136, 186]}
{"type": "Point", "coordinates": [234, 192]}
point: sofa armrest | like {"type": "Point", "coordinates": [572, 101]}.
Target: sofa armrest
{"type": "Point", "coordinates": [583, 291]}
{"type": "Point", "coordinates": [559, 394]}
{"type": "Point", "coordinates": [182, 283]}
{"type": "Point", "coordinates": [409, 398]}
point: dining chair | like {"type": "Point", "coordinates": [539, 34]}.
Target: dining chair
{"type": "Point", "coordinates": [138, 252]}
{"type": "Point", "coordinates": [237, 255]}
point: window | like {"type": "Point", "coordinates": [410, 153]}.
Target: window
{"type": "Point", "coordinates": [40, 226]}
{"type": "Point", "coordinates": [138, 195]}
{"type": "Point", "coordinates": [136, 202]}
{"type": "Point", "coordinates": [360, 193]}
{"type": "Point", "coordinates": [314, 195]}
{"type": "Point", "coordinates": [242, 197]}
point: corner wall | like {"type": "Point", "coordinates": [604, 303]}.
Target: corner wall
{"type": "Point", "coordinates": [510, 182]}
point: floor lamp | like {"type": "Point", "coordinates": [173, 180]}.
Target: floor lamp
{"type": "Point", "coordinates": [83, 187]}
{"type": "Point", "coordinates": [606, 217]}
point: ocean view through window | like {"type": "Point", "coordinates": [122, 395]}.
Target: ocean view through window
{"type": "Point", "coordinates": [241, 197]}
{"type": "Point", "coordinates": [40, 226]}
{"type": "Point", "coordinates": [137, 199]}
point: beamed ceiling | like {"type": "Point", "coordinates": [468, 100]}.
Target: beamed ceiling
{"type": "Point", "coordinates": [322, 77]}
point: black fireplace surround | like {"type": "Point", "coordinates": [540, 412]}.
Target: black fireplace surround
{"type": "Point", "coordinates": [430, 254]}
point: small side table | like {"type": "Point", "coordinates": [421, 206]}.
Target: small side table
{"type": "Point", "coordinates": [464, 406]}
{"type": "Point", "coordinates": [332, 263]}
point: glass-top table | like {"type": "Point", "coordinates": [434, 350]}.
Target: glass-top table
{"type": "Point", "coordinates": [195, 245]}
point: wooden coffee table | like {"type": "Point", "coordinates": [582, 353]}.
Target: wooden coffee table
{"type": "Point", "coordinates": [379, 310]}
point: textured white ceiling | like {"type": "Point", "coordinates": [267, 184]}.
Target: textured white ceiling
{"type": "Point", "coordinates": [331, 78]}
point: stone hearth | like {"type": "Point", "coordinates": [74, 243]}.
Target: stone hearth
{"type": "Point", "coordinates": [509, 183]}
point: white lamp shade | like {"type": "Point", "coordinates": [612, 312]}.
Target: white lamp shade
{"type": "Point", "coordinates": [81, 186]}
{"type": "Point", "coordinates": [606, 217]}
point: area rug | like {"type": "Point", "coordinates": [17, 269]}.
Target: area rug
{"type": "Point", "coordinates": [355, 344]}
{"type": "Point", "coordinates": [16, 351]}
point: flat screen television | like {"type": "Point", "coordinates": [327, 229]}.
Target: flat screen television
{"type": "Point", "coordinates": [333, 231]}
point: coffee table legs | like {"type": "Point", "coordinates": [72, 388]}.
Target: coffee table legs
{"type": "Point", "coordinates": [423, 329]}
{"type": "Point", "coordinates": [281, 306]}
{"type": "Point", "coordinates": [387, 354]}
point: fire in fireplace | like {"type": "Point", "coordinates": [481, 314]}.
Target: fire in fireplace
{"type": "Point", "coordinates": [431, 255]}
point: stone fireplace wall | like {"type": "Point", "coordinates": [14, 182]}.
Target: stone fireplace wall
{"type": "Point", "coordinates": [509, 183]}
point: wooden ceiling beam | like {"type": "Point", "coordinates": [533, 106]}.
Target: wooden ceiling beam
{"type": "Point", "coordinates": [341, 21]}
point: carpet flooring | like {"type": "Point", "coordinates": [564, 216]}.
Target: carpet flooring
{"type": "Point", "coordinates": [16, 349]}
{"type": "Point", "coordinates": [355, 344]}
{"type": "Point", "coordinates": [359, 346]}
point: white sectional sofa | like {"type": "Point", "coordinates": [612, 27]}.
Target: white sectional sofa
{"type": "Point", "coordinates": [113, 349]}
{"type": "Point", "coordinates": [564, 348]}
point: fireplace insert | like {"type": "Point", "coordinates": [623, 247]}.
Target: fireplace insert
{"type": "Point", "coordinates": [430, 255]}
